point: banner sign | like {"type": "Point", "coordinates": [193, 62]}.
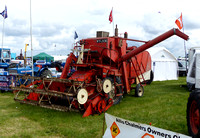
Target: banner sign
{"type": "Point", "coordinates": [121, 128]}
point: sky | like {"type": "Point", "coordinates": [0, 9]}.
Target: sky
{"type": "Point", "coordinates": [54, 23]}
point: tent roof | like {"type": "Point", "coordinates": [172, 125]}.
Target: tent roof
{"type": "Point", "coordinates": [43, 56]}
{"type": "Point", "coordinates": [161, 54]}
{"type": "Point", "coordinates": [60, 58]}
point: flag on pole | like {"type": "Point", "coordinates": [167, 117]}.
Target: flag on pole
{"type": "Point", "coordinates": [75, 35]}
{"type": "Point", "coordinates": [111, 16]}
{"type": "Point", "coordinates": [179, 22]}
{"type": "Point", "coordinates": [4, 13]}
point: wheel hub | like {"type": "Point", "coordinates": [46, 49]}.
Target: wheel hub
{"type": "Point", "coordinates": [107, 86]}
{"type": "Point", "coordinates": [82, 96]}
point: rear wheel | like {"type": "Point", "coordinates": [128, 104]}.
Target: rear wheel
{"type": "Point", "coordinates": [193, 114]}
{"type": "Point", "coordinates": [46, 74]}
{"type": "Point", "coordinates": [139, 90]}
{"type": "Point", "coordinates": [151, 78]}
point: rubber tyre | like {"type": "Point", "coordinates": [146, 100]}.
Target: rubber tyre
{"type": "Point", "coordinates": [151, 78]}
{"type": "Point", "coordinates": [46, 74]}
{"type": "Point", "coordinates": [193, 114]}
{"type": "Point", "coordinates": [116, 99]}
{"type": "Point", "coordinates": [57, 65]}
{"type": "Point", "coordinates": [139, 90]}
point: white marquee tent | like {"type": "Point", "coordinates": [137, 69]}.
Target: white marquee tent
{"type": "Point", "coordinates": [60, 58]}
{"type": "Point", "coordinates": [164, 64]}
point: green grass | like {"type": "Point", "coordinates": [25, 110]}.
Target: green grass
{"type": "Point", "coordinates": [163, 104]}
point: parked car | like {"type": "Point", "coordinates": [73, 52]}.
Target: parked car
{"type": "Point", "coordinates": [182, 71]}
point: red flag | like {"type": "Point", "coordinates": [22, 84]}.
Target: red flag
{"type": "Point", "coordinates": [111, 17]}
{"type": "Point", "coordinates": [179, 22]}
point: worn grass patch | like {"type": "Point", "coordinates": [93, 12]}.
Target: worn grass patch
{"type": "Point", "coordinates": [163, 104]}
{"type": "Point", "coordinates": [19, 126]}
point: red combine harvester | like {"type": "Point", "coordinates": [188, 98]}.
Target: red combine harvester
{"type": "Point", "coordinates": [105, 68]}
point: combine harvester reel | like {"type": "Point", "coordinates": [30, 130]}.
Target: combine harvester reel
{"type": "Point", "coordinates": [105, 69]}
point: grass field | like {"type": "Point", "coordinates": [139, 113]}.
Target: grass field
{"type": "Point", "coordinates": [163, 104]}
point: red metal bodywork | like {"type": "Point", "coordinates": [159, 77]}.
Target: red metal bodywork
{"type": "Point", "coordinates": [103, 58]}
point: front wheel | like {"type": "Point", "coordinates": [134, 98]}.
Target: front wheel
{"type": "Point", "coordinates": [114, 90]}
{"type": "Point", "coordinates": [193, 114]}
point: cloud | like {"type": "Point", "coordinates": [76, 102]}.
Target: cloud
{"type": "Point", "coordinates": [54, 22]}
{"type": "Point", "coordinates": [46, 30]}
{"type": "Point", "coordinates": [16, 28]}
{"type": "Point", "coordinates": [191, 25]}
